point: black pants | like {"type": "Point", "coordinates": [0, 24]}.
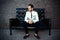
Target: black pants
{"type": "Point", "coordinates": [36, 25]}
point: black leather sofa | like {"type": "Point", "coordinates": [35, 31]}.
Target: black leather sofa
{"type": "Point", "coordinates": [19, 20]}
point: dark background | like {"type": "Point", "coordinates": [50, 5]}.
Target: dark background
{"type": "Point", "coordinates": [8, 10]}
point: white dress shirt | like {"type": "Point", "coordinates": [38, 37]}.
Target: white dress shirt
{"type": "Point", "coordinates": [34, 18]}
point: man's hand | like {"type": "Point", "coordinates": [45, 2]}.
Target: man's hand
{"type": "Point", "coordinates": [30, 21]}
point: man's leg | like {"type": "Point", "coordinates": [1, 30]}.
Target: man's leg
{"type": "Point", "coordinates": [26, 30]}
{"type": "Point", "coordinates": [36, 30]}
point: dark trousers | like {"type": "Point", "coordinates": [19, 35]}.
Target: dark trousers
{"type": "Point", "coordinates": [36, 25]}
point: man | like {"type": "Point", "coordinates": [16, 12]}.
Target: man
{"type": "Point", "coordinates": [31, 19]}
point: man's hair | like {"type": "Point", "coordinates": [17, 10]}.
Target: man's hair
{"type": "Point", "coordinates": [32, 6]}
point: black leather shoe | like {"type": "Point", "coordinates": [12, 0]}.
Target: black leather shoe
{"type": "Point", "coordinates": [26, 36]}
{"type": "Point", "coordinates": [37, 37]}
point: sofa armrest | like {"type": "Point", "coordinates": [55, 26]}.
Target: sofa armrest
{"type": "Point", "coordinates": [47, 22]}
{"type": "Point", "coordinates": [13, 21]}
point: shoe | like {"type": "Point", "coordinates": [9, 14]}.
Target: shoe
{"type": "Point", "coordinates": [26, 36]}
{"type": "Point", "coordinates": [37, 36]}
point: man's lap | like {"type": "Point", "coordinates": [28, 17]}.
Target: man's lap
{"type": "Point", "coordinates": [33, 24]}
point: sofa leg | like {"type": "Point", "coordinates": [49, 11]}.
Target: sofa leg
{"type": "Point", "coordinates": [49, 27]}
{"type": "Point", "coordinates": [10, 31]}
{"type": "Point", "coordinates": [49, 32]}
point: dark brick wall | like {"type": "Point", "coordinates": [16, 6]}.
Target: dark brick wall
{"type": "Point", "coordinates": [53, 11]}
{"type": "Point", "coordinates": [8, 10]}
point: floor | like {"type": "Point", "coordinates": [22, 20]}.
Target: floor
{"type": "Point", "coordinates": [18, 35]}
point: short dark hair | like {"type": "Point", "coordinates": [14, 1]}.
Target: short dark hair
{"type": "Point", "coordinates": [32, 6]}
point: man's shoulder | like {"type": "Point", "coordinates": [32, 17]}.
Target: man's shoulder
{"type": "Point", "coordinates": [35, 11]}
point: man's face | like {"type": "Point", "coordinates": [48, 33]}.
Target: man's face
{"type": "Point", "coordinates": [30, 8]}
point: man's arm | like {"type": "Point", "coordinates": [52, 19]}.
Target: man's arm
{"type": "Point", "coordinates": [36, 18]}
{"type": "Point", "coordinates": [26, 17]}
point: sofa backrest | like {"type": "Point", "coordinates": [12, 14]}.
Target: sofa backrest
{"type": "Point", "coordinates": [22, 11]}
